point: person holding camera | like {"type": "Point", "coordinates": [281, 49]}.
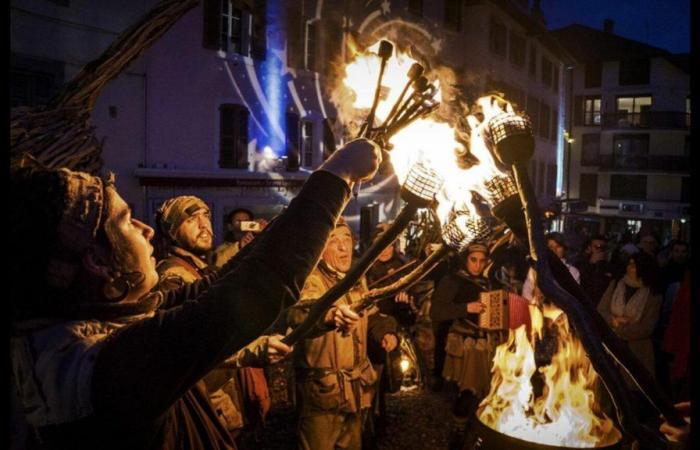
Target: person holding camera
{"type": "Point", "coordinates": [241, 230]}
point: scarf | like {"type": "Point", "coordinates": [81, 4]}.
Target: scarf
{"type": "Point", "coordinates": [636, 304]}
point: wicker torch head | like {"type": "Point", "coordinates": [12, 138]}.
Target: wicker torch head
{"type": "Point", "coordinates": [500, 188]}
{"type": "Point", "coordinates": [511, 136]}
{"type": "Point", "coordinates": [421, 185]}
{"type": "Point", "coordinates": [463, 229]}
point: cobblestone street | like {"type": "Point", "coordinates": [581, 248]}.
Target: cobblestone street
{"type": "Point", "coordinates": [417, 419]}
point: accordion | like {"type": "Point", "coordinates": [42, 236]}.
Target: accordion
{"type": "Point", "coordinates": [495, 313]}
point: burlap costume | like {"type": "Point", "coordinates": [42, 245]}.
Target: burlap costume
{"type": "Point", "coordinates": [183, 267]}
{"type": "Point", "coordinates": [335, 379]}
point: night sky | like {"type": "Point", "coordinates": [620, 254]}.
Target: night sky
{"type": "Point", "coordinates": [661, 23]}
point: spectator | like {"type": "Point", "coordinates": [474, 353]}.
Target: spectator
{"type": "Point", "coordinates": [555, 242]}
{"type": "Point", "coordinates": [676, 340]}
{"type": "Point", "coordinates": [648, 243]}
{"type": "Point", "coordinates": [596, 271]}
{"type": "Point", "coordinates": [631, 307]}
{"type": "Point", "coordinates": [237, 238]}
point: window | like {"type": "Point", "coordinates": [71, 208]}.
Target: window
{"type": "Point", "coordinates": [544, 121]}
{"type": "Point", "coordinates": [235, 26]}
{"type": "Point", "coordinates": [233, 140]}
{"type": "Point", "coordinates": [310, 47]}
{"type": "Point", "coordinates": [516, 53]}
{"type": "Point", "coordinates": [687, 111]}
{"type": "Point", "coordinates": [415, 7]}
{"type": "Point", "coordinates": [453, 14]}
{"type": "Point", "coordinates": [633, 110]}
{"type": "Point", "coordinates": [258, 30]}
{"type": "Point", "coordinates": [588, 188]}
{"type": "Point", "coordinates": [231, 39]}
{"type": "Point", "coordinates": [591, 111]}
{"type": "Point", "coordinates": [555, 79]}
{"type": "Point", "coordinates": [497, 38]}
{"type": "Point", "coordinates": [307, 143]}
{"type": "Point", "coordinates": [533, 111]}
{"type": "Point", "coordinates": [546, 67]}
{"type": "Point", "coordinates": [628, 187]}
{"type": "Point", "coordinates": [555, 126]}
{"type": "Point", "coordinates": [630, 151]}
{"type": "Point", "coordinates": [532, 69]}
{"type": "Point", "coordinates": [592, 75]}
{"type": "Point", "coordinates": [590, 149]}
{"type": "Point", "coordinates": [634, 71]}
{"type": "Point", "coordinates": [30, 88]}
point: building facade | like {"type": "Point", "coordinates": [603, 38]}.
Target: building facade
{"type": "Point", "coordinates": [629, 159]}
{"type": "Point", "coordinates": [232, 103]}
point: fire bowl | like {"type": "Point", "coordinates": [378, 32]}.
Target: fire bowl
{"type": "Point", "coordinates": [482, 437]}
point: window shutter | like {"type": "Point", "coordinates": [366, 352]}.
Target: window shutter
{"type": "Point", "coordinates": [211, 10]}
{"type": "Point", "coordinates": [328, 138]}
{"type": "Point", "coordinates": [295, 37]}
{"type": "Point", "coordinates": [332, 38]}
{"type": "Point", "coordinates": [292, 141]}
{"type": "Point", "coordinates": [226, 136]}
{"type": "Point", "coordinates": [241, 137]}
{"type": "Point", "coordinates": [258, 33]}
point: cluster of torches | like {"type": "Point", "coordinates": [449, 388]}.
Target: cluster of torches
{"type": "Point", "coordinates": [424, 154]}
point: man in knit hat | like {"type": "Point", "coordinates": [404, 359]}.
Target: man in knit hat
{"type": "Point", "coordinates": [102, 360]}
{"type": "Point", "coordinates": [185, 224]}
{"type": "Point", "coordinates": [335, 379]}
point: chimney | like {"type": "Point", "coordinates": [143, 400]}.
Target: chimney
{"type": "Point", "coordinates": [536, 12]}
{"type": "Point", "coordinates": [608, 25]}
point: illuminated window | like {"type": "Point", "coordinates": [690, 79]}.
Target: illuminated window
{"type": "Point", "coordinates": [634, 110]}
{"type": "Point", "coordinates": [233, 136]}
{"type": "Point", "coordinates": [591, 111]}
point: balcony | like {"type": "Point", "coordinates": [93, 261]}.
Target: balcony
{"type": "Point", "coordinates": [644, 120]}
{"type": "Point", "coordinates": [653, 163]}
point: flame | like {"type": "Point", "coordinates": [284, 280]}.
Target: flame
{"type": "Point", "coordinates": [427, 140]}
{"type": "Point", "coordinates": [567, 413]}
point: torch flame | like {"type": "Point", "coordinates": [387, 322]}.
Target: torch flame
{"type": "Point", "coordinates": [426, 140]}
{"type": "Point", "coordinates": [567, 413]}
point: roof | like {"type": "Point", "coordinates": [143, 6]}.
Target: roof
{"type": "Point", "coordinates": [588, 44]}
{"type": "Point", "coordinates": [535, 28]}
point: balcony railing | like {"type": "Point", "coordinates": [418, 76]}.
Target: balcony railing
{"type": "Point", "coordinates": [648, 119]}
{"type": "Point", "coordinates": [653, 163]}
